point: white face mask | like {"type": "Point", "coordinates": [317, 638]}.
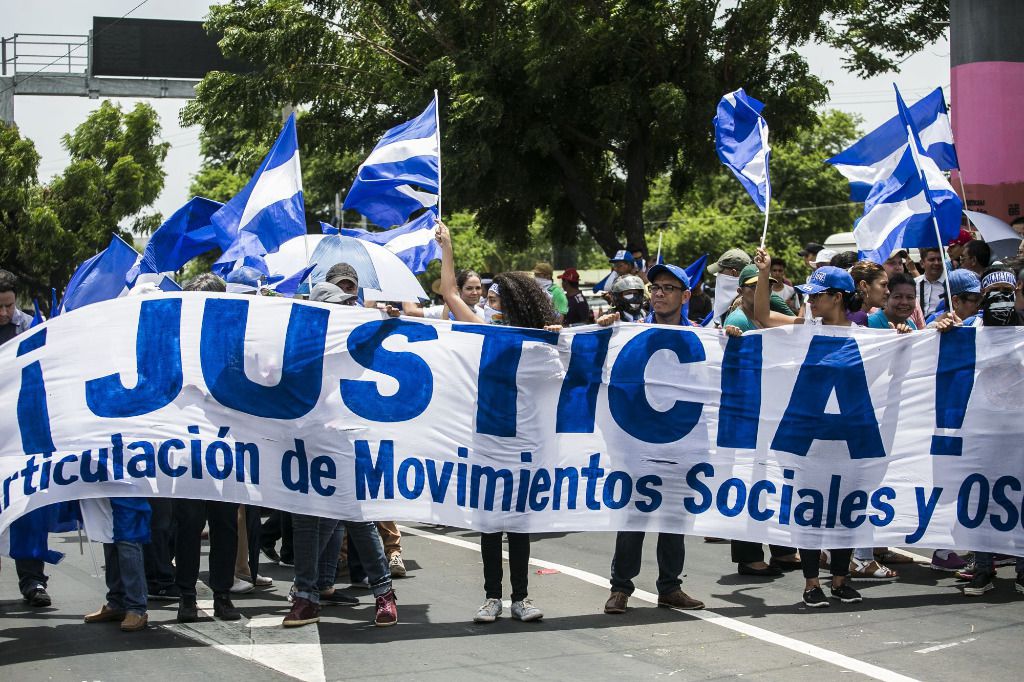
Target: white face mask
{"type": "Point", "coordinates": [493, 315]}
{"type": "Point", "coordinates": [543, 283]}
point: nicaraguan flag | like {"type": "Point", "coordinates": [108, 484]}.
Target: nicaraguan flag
{"type": "Point", "coordinates": [102, 277]}
{"type": "Point", "coordinates": [741, 140]}
{"type": "Point", "coordinates": [873, 158]}
{"type": "Point", "coordinates": [413, 242]}
{"type": "Point", "coordinates": [270, 209]}
{"type": "Point", "coordinates": [402, 173]}
{"type": "Point", "coordinates": [188, 233]}
{"type": "Point", "coordinates": [899, 210]}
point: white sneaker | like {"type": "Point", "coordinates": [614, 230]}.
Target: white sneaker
{"type": "Point", "coordinates": [264, 581]}
{"type": "Point", "coordinates": [396, 565]}
{"type": "Point", "coordinates": [525, 611]}
{"type": "Point", "coordinates": [489, 611]}
{"type": "Point", "coordinates": [242, 586]}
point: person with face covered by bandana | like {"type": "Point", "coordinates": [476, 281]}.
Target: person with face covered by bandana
{"type": "Point", "coordinates": [998, 300]}
{"type": "Point", "coordinates": [628, 298]}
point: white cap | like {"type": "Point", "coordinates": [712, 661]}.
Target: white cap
{"type": "Point", "coordinates": [824, 257]}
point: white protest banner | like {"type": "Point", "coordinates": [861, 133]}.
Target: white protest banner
{"type": "Point", "coordinates": [807, 437]}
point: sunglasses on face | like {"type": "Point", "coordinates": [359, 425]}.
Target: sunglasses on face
{"type": "Point", "coordinates": [665, 288]}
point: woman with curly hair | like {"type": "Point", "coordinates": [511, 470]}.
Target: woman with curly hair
{"type": "Point", "coordinates": [515, 299]}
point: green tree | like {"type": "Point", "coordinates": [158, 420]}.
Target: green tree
{"type": "Point", "coordinates": [115, 172]}
{"type": "Point", "coordinates": [568, 107]}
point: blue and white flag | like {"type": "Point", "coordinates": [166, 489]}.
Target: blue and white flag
{"type": "Point", "coordinates": [741, 140]}
{"type": "Point", "coordinates": [402, 174]}
{"type": "Point", "coordinates": [270, 209]}
{"type": "Point", "coordinates": [873, 158]}
{"type": "Point", "coordinates": [188, 233]}
{"type": "Point", "coordinates": [102, 277]}
{"type": "Point", "coordinates": [899, 210]}
{"type": "Point", "coordinates": [413, 242]}
{"type": "Point", "coordinates": [37, 318]}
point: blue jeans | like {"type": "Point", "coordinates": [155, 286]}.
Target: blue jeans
{"type": "Point", "coordinates": [311, 536]}
{"type": "Point", "coordinates": [370, 547]}
{"type": "Point", "coordinates": [126, 576]}
{"type": "Point", "coordinates": [628, 556]}
{"type": "Point", "coordinates": [983, 560]}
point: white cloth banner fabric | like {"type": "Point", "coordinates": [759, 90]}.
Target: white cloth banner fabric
{"type": "Point", "coordinates": [803, 436]}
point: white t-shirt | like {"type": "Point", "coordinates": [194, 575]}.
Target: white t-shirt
{"type": "Point", "coordinates": [785, 293]}
{"type": "Point", "coordinates": [928, 293]}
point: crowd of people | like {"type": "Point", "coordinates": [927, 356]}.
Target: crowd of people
{"type": "Point", "coordinates": [161, 562]}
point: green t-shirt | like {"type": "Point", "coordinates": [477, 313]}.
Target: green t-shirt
{"type": "Point", "coordinates": [739, 319]}
{"type": "Point", "coordinates": [558, 299]}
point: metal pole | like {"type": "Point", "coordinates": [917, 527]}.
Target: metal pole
{"type": "Point", "coordinates": [437, 121]}
{"type": "Point", "coordinates": [935, 221]}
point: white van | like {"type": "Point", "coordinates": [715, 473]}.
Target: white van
{"type": "Point", "coordinates": [844, 241]}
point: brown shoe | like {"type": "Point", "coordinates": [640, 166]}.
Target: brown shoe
{"type": "Point", "coordinates": [133, 622]}
{"type": "Point", "coordinates": [616, 603]}
{"type": "Point", "coordinates": [105, 615]}
{"type": "Point", "coordinates": [679, 600]}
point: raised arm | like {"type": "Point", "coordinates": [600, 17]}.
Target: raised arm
{"type": "Point", "coordinates": [764, 316]}
{"type": "Point", "coordinates": [449, 287]}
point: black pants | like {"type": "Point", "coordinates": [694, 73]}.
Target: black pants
{"type": "Point", "coordinates": [278, 526]}
{"type": "Point", "coordinates": [158, 553]}
{"type": "Point", "coordinates": [253, 529]}
{"type": "Point", "coordinates": [752, 552]}
{"type": "Point", "coordinates": [191, 516]}
{"type": "Point", "coordinates": [839, 566]}
{"type": "Point", "coordinates": [518, 564]}
{"type": "Point", "coordinates": [627, 559]}
{"type": "Point", "coordinates": [30, 575]}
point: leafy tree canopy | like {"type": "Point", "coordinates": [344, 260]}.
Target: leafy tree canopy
{"type": "Point", "coordinates": [571, 108]}
{"type": "Point", "coordinates": [115, 172]}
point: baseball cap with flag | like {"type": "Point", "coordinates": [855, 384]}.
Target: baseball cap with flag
{"type": "Point", "coordinates": [622, 256]}
{"type": "Point", "coordinates": [828, 277]}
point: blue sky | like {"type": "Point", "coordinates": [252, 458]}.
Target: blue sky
{"type": "Point", "coordinates": [46, 119]}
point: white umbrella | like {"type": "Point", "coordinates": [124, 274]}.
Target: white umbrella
{"type": "Point", "coordinates": [382, 275]}
{"type": "Point", "coordinates": [1003, 239]}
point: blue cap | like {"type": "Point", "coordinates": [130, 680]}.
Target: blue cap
{"type": "Point", "coordinates": [621, 256]}
{"type": "Point", "coordinates": [828, 277]}
{"type": "Point", "coordinates": [964, 282]}
{"type": "Point", "coordinates": [673, 270]}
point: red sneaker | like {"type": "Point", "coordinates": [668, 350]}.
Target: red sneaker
{"type": "Point", "coordinates": [387, 610]}
{"type": "Point", "coordinates": [303, 612]}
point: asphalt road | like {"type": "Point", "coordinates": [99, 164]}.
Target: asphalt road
{"type": "Point", "coordinates": [920, 627]}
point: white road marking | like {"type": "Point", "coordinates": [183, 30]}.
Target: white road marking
{"type": "Point", "coordinates": [295, 652]}
{"type": "Point", "coordinates": [939, 647]}
{"type": "Point", "coordinates": [742, 627]}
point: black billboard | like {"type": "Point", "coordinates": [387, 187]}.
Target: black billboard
{"type": "Point", "coordinates": [155, 48]}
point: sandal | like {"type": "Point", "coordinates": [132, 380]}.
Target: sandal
{"type": "Point", "coordinates": [885, 555]}
{"type": "Point", "coordinates": [871, 570]}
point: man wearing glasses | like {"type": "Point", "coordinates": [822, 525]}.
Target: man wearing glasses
{"type": "Point", "coordinates": [670, 289]}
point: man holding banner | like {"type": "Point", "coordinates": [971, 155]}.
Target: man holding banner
{"type": "Point", "coordinates": [670, 290]}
